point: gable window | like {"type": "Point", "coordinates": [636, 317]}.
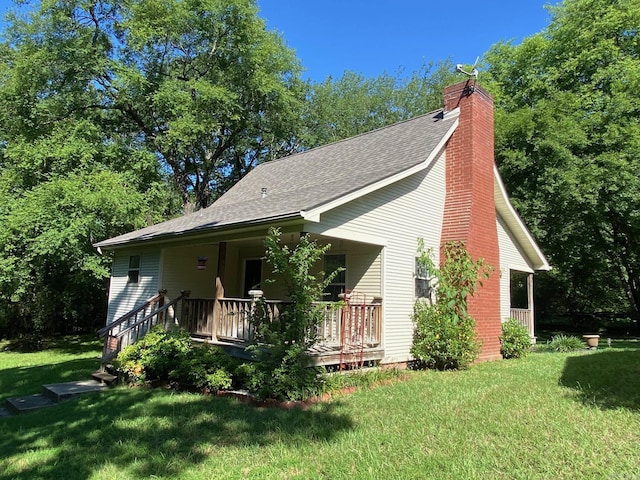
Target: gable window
{"type": "Point", "coordinates": [338, 284]}
{"type": "Point", "coordinates": [133, 273]}
{"type": "Point", "coordinates": [422, 280]}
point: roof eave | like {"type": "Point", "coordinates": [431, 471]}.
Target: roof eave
{"type": "Point", "coordinates": [313, 214]}
{"type": "Point", "coordinates": [517, 226]}
{"type": "Point", "coordinates": [196, 232]}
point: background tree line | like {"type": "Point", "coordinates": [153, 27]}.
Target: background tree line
{"type": "Point", "coordinates": [114, 115]}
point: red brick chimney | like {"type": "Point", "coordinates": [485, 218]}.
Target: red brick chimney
{"type": "Point", "coordinates": [469, 211]}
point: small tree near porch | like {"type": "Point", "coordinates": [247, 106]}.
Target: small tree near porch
{"type": "Point", "coordinates": [282, 343]}
{"type": "Point", "coordinates": [445, 333]}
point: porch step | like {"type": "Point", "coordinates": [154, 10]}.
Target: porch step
{"type": "Point", "coordinates": [28, 403]}
{"type": "Point", "coordinates": [64, 391]}
{"type": "Point", "coordinates": [52, 394]}
{"type": "Point", "coordinates": [104, 377]}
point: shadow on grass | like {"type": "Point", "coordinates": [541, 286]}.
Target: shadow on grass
{"type": "Point", "coordinates": [607, 379]}
{"type": "Point", "coordinates": [72, 344]}
{"type": "Point", "coordinates": [153, 434]}
{"type": "Point", "coordinates": [19, 381]}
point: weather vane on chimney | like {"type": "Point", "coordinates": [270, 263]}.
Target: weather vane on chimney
{"type": "Point", "coordinates": [472, 74]}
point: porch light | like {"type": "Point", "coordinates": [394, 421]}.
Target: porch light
{"type": "Point", "coordinates": [202, 263]}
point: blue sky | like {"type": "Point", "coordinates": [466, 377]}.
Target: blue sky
{"type": "Point", "coordinates": [375, 36]}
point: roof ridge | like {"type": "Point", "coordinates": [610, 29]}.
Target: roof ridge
{"type": "Point", "coordinates": [348, 139]}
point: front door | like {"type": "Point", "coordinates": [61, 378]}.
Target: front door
{"type": "Point", "coordinates": [252, 275]}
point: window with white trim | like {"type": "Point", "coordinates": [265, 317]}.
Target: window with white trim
{"type": "Point", "coordinates": [133, 273]}
{"type": "Point", "coordinates": [422, 280]}
{"type": "Point", "coordinates": [339, 283]}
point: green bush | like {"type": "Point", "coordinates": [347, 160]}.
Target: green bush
{"type": "Point", "coordinates": [564, 343]}
{"type": "Point", "coordinates": [203, 367]}
{"type": "Point", "coordinates": [171, 356]}
{"type": "Point", "coordinates": [441, 340]}
{"type": "Point", "coordinates": [514, 340]}
{"type": "Point", "coordinates": [445, 335]}
{"type": "Point", "coordinates": [282, 344]}
{"type": "Point", "coordinates": [154, 356]}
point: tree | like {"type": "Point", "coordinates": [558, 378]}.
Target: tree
{"type": "Point", "coordinates": [353, 104]}
{"type": "Point", "coordinates": [445, 335]}
{"type": "Point", "coordinates": [103, 106]}
{"type": "Point", "coordinates": [51, 278]}
{"type": "Point", "coordinates": [568, 147]}
{"type": "Point", "coordinates": [197, 85]}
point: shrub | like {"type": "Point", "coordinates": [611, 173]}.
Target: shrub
{"type": "Point", "coordinates": [565, 343]}
{"type": "Point", "coordinates": [171, 356]}
{"type": "Point", "coordinates": [203, 367]}
{"type": "Point", "coordinates": [154, 356]}
{"type": "Point", "coordinates": [514, 340]}
{"type": "Point", "coordinates": [282, 343]}
{"type": "Point", "coordinates": [444, 335]}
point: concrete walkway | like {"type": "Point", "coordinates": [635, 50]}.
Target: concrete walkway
{"type": "Point", "coordinates": [54, 393]}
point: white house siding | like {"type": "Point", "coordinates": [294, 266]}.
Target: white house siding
{"type": "Point", "coordinates": [124, 296]}
{"type": "Point", "coordinates": [179, 271]}
{"type": "Point", "coordinates": [511, 258]}
{"type": "Point", "coordinates": [399, 214]}
{"type": "Point", "coordinates": [364, 270]}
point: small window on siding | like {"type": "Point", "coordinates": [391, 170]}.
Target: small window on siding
{"type": "Point", "coordinates": [422, 281]}
{"type": "Point", "coordinates": [338, 284]}
{"type": "Point", "coordinates": [134, 269]}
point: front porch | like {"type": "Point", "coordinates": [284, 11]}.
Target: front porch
{"type": "Point", "coordinates": [348, 335]}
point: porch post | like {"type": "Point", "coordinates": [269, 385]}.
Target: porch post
{"type": "Point", "coordinates": [217, 311]}
{"type": "Point", "coordinates": [530, 303]}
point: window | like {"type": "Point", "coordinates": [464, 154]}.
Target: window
{"type": "Point", "coordinates": [134, 269]}
{"type": "Point", "coordinates": [422, 281]}
{"type": "Point", "coordinates": [338, 284]}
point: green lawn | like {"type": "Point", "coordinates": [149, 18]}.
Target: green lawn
{"type": "Point", "coordinates": [547, 416]}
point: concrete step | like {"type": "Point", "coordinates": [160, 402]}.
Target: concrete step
{"type": "Point", "coordinates": [64, 391]}
{"type": "Point", "coordinates": [104, 377]}
{"type": "Point", "coordinates": [28, 403]}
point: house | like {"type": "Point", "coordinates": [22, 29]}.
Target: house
{"type": "Point", "coordinates": [371, 197]}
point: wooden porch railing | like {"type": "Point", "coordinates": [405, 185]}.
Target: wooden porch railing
{"type": "Point", "coordinates": [135, 324]}
{"type": "Point", "coordinates": [524, 318]}
{"type": "Point", "coordinates": [229, 320]}
{"type": "Point", "coordinates": [365, 322]}
{"type": "Point", "coordinates": [225, 319]}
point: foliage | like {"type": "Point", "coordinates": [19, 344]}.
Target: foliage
{"type": "Point", "coordinates": [283, 370]}
{"type": "Point", "coordinates": [171, 356]}
{"type": "Point", "coordinates": [567, 146]}
{"type": "Point", "coordinates": [351, 105]}
{"type": "Point", "coordinates": [51, 278]}
{"type": "Point", "coordinates": [514, 339]}
{"type": "Point", "coordinates": [444, 335]}
{"type": "Point", "coordinates": [198, 85]}
{"type": "Point", "coordinates": [563, 343]}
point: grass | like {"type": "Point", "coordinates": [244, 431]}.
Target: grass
{"type": "Point", "coordinates": [62, 360]}
{"type": "Point", "coordinates": [550, 415]}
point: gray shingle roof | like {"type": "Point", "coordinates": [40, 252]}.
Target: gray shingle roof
{"type": "Point", "coordinates": [310, 179]}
